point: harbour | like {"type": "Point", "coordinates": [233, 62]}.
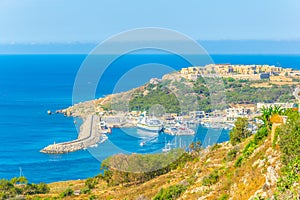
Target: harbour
{"type": "Point", "coordinates": [89, 135]}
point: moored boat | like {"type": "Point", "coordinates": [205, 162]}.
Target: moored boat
{"type": "Point", "coordinates": [153, 125]}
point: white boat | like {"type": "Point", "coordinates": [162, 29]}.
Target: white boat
{"type": "Point", "coordinates": [103, 138]}
{"type": "Point", "coordinates": [185, 131]}
{"type": "Point", "coordinates": [171, 130]}
{"type": "Point", "coordinates": [153, 125]}
{"type": "Point", "coordinates": [142, 144]}
{"type": "Point", "coordinates": [104, 127]}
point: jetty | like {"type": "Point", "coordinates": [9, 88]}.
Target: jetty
{"type": "Point", "coordinates": [90, 134]}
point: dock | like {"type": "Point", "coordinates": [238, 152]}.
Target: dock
{"type": "Point", "coordinates": [90, 134]}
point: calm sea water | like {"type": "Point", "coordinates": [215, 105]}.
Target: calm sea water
{"type": "Point", "coordinates": [32, 84]}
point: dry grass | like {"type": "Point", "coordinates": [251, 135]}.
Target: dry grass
{"type": "Point", "coordinates": [239, 183]}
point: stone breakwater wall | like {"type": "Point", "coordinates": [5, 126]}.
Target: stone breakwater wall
{"type": "Point", "coordinates": [89, 135]}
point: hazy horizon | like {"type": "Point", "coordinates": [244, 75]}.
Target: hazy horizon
{"type": "Point", "coordinates": [211, 46]}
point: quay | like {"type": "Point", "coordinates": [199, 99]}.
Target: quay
{"type": "Point", "coordinates": [90, 134]}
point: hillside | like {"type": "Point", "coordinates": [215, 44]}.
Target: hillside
{"type": "Point", "coordinates": [262, 166]}
{"type": "Point", "coordinates": [180, 95]}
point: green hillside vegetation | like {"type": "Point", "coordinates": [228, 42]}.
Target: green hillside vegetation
{"type": "Point", "coordinates": [20, 187]}
{"type": "Point", "coordinates": [235, 91]}
{"type": "Point", "coordinates": [289, 135]}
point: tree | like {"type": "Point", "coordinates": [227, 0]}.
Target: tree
{"type": "Point", "coordinates": [240, 131]}
{"type": "Point", "coordinates": [91, 183]}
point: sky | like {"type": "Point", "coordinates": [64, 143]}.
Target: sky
{"type": "Point", "coordinates": [65, 21]}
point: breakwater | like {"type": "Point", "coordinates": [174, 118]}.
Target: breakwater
{"type": "Point", "coordinates": [90, 134]}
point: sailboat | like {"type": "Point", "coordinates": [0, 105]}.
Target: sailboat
{"type": "Point", "coordinates": [167, 146]}
{"type": "Point", "coordinates": [21, 172]}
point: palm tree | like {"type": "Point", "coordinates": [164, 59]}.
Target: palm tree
{"type": "Point", "coordinates": [277, 110]}
{"type": "Point", "coordinates": [267, 114]}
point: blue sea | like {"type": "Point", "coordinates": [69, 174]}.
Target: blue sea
{"type": "Point", "coordinates": [32, 84]}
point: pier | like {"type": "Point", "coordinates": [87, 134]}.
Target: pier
{"type": "Point", "coordinates": [90, 134]}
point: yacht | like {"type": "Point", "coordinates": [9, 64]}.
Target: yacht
{"type": "Point", "coordinates": [153, 125]}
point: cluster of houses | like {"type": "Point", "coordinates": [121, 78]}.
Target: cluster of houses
{"type": "Point", "coordinates": [245, 72]}
{"type": "Point", "coordinates": [228, 115]}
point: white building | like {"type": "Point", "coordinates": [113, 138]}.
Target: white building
{"type": "Point", "coordinates": [233, 113]}
{"type": "Point", "coordinates": [267, 105]}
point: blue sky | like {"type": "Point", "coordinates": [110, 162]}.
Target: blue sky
{"type": "Point", "coordinates": [44, 21]}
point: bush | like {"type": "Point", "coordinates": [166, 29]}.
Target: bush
{"type": "Point", "coordinates": [291, 175]}
{"type": "Point", "coordinates": [92, 197]}
{"type": "Point", "coordinates": [224, 197]}
{"type": "Point", "coordinates": [85, 190]}
{"type": "Point", "coordinates": [66, 193]}
{"type": "Point", "coordinates": [215, 147]}
{"type": "Point", "coordinates": [239, 161]}
{"type": "Point", "coordinates": [249, 149]}
{"type": "Point", "coordinates": [261, 134]}
{"type": "Point", "coordinates": [172, 192]}
{"type": "Point", "coordinates": [91, 183]}
{"type": "Point", "coordinates": [232, 154]}
{"type": "Point", "coordinates": [32, 188]}
{"type": "Point", "coordinates": [153, 165]}
{"type": "Point", "coordinates": [211, 179]}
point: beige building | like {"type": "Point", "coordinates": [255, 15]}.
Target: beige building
{"type": "Point", "coordinates": [280, 79]}
{"type": "Point", "coordinates": [248, 72]}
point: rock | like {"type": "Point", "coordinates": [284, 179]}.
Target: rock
{"type": "Point", "coordinates": [271, 176]}
{"type": "Point", "coordinates": [154, 81]}
{"type": "Point", "coordinates": [271, 159]}
{"type": "Point", "coordinates": [266, 187]}
{"type": "Point", "coordinates": [184, 183]}
{"type": "Point", "coordinates": [256, 163]}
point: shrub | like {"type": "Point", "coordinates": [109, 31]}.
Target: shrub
{"type": "Point", "coordinates": [85, 190]}
{"type": "Point", "coordinates": [153, 165]}
{"type": "Point", "coordinates": [66, 193]}
{"type": "Point", "coordinates": [261, 134]}
{"type": "Point", "coordinates": [249, 149]}
{"type": "Point", "coordinates": [211, 179]}
{"type": "Point", "coordinates": [239, 161]}
{"type": "Point", "coordinates": [232, 154]}
{"type": "Point", "coordinates": [91, 183]}
{"type": "Point", "coordinates": [224, 197]}
{"type": "Point", "coordinates": [172, 192]}
{"type": "Point", "coordinates": [92, 197]}
{"type": "Point", "coordinates": [215, 147]}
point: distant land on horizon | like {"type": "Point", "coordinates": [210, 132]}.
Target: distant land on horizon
{"type": "Point", "coordinates": [211, 46]}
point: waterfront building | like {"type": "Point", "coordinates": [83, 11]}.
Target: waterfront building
{"type": "Point", "coordinates": [233, 113]}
